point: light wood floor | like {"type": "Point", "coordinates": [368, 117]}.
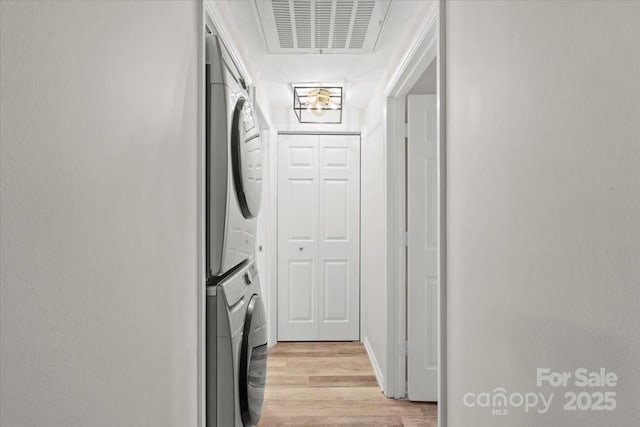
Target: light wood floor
{"type": "Point", "coordinates": [332, 383]}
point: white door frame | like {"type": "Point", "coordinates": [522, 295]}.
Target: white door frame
{"type": "Point", "coordinates": [271, 243]}
{"type": "Point", "coordinates": [270, 208]}
{"type": "Point", "coordinates": [427, 46]}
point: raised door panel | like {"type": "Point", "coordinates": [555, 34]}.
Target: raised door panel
{"type": "Point", "coordinates": [336, 290]}
{"type": "Point", "coordinates": [301, 303]}
{"type": "Point", "coordinates": [336, 210]}
{"type": "Point", "coordinates": [301, 224]}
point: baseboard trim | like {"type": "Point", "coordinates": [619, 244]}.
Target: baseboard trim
{"type": "Point", "coordinates": [374, 363]}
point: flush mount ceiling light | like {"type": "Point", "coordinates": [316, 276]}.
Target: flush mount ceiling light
{"type": "Point", "coordinates": [317, 104]}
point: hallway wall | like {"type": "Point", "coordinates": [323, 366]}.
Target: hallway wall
{"type": "Point", "coordinates": [286, 120]}
{"type": "Point", "coordinates": [378, 264]}
{"type": "Point", "coordinates": [543, 118]}
{"type": "Point", "coordinates": [373, 246]}
{"type": "Point", "coordinates": [99, 220]}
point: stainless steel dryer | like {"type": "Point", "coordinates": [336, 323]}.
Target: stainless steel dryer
{"type": "Point", "coordinates": [234, 163]}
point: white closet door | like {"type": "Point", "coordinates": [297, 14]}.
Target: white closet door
{"type": "Point", "coordinates": [422, 268]}
{"type": "Point", "coordinates": [339, 237]}
{"type": "Point", "coordinates": [318, 237]}
{"type": "Point", "coordinates": [297, 237]}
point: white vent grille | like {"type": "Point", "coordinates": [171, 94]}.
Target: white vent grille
{"type": "Point", "coordinates": [323, 14]}
{"type": "Point", "coordinates": [361, 24]}
{"type": "Point", "coordinates": [302, 12]}
{"type": "Point", "coordinates": [283, 16]}
{"type": "Point", "coordinates": [331, 26]}
{"type": "Point", "coordinates": [342, 24]}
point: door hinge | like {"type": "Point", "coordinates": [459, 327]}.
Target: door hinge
{"type": "Point", "coordinates": [404, 239]}
{"type": "Point", "coordinates": [404, 348]}
{"type": "Point", "coordinates": [406, 130]}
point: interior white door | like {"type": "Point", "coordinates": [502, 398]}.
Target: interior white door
{"type": "Point", "coordinates": [297, 237]}
{"type": "Point", "coordinates": [422, 257]}
{"type": "Point", "coordinates": [318, 237]}
{"type": "Point", "coordinates": [339, 237]}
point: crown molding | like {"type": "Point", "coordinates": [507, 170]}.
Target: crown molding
{"type": "Point", "coordinates": [422, 48]}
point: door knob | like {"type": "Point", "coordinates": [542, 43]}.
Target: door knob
{"type": "Point", "coordinates": [300, 248]}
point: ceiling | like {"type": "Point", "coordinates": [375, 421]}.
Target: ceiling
{"type": "Point", "coordinates": [359, 72]}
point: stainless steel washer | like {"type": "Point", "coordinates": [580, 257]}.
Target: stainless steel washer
{"type": "Point", "coordinates": [237, 353]}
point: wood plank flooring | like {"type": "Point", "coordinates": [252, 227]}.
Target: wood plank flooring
{"type": "Point", "coordinates": [332, 384]}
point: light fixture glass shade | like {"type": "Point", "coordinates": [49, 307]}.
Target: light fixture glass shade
{"type": "Point", "coordinates": [317, 104]}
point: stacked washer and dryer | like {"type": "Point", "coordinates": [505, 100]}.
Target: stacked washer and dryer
{"type": "Point", "coordinates": [236, 331]}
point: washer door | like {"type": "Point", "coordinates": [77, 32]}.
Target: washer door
{"type": "Point", "coordinates": [246, 157]}
{"type": "Point", "coordinates": [253, 362]}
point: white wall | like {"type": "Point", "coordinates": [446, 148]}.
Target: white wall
{"type": "Point", "coordinates": [284, 119]}
{"type": "Point", "coordinates": [99, 213]}
{"type": "Point", "coordinates": [543, 118]}
{"type": "Point", "coordinates": [373, 247]}
{"type": "Point", "coordinates": [377, 261]}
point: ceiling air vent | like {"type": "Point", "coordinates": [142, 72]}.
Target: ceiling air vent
{"type": "Point", "coordinates": [329, 26]}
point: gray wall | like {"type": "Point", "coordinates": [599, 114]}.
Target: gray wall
{"type": "Point", "coordinates": [543, 202]}
{"type": "Point", "coordinates": [99, 213]}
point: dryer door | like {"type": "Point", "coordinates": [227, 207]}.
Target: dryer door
{"type": "Point", "coordinates": [253, 362]}
{"type": "Point", "coordinates": [246, 157]}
